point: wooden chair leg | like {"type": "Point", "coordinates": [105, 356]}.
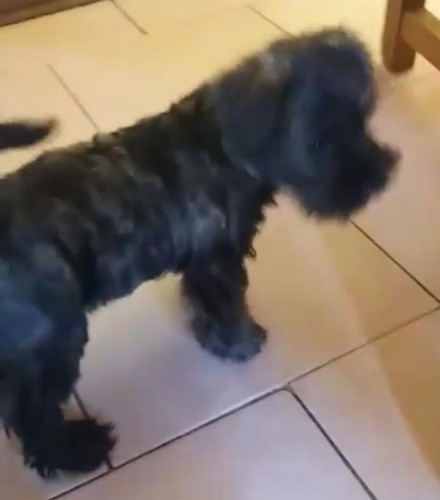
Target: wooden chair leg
{"type": "Point", "coordinates": [397, 55]}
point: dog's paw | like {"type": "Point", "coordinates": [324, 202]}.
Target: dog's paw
{"type": "Point", "coordinates": [240, 345]}
{"type": "Point", "coordinates": [89, 445]}
{"type": "Point", "coordinates": [82, 447]}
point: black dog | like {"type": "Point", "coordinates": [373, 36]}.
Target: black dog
{"type": "Point", "coordinates": [181, 192]}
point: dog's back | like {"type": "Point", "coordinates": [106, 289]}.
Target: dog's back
{"type": "Point", "coordinates": [18, 134]}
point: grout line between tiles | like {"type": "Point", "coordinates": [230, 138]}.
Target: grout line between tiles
{"type": "Point", "coordinates": [332, 443]}
{"type": "Point", "coordinates": [72, 96]}
{"type": "Point", "coordinates": [129, 18]}
{"type": "Point", "coordinates": [396, 262]}
{"type": "Point", "coordinates": [80, 404]}
{"type": "Point", "coordinates": [114, 468]}
{"type": "Point", "coordinates": [203, 425]}
{"type": "Point", "coordinates": [267, 19]}
{"type": "Point", "coordinates": [78, 486]}
{"type": "Point", "coordinates": [369, 342]}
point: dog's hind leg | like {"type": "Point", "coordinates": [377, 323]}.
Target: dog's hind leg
{"type": "Point", "coordinates": [51, 443]}
{"type": "Point", "coordinates": [215, 290]}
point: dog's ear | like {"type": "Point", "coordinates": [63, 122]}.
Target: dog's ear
{"type": "Point", "coordinates": [247, 100]}
{"type": "Point", "coordinates": [330, 160]}
{"type": "Point", "coordinates": [330, 99]}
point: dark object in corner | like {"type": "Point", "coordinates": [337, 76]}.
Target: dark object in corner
{"type": "Point", "coordinates": [14, 11]}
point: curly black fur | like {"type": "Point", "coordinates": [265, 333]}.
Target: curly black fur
{"type": "Point", "coordinates": [181, 192]}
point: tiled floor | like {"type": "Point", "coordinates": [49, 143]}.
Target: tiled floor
{"type": "Point", "coordinates": [352, 311]}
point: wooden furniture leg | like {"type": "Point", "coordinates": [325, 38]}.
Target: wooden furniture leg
{"type": "Point", "coordinates": [409, 29]}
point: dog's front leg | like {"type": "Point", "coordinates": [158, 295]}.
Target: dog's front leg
{"type": "Point", "coordinates": [215, 290]}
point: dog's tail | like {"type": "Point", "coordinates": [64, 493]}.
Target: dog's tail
{"type": "Point", "coordinates": [17, 134]}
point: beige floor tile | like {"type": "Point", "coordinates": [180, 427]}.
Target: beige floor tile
{"type": "Point", "coordinates": [153, 16]}
{"type": "Point", "coordinates": [36, 93]}
{"type": "Point", "coordinates": [17, 482]}
{"type": "Point", "coordinates": [319, 291]}
{"type": "Point", "coordinates": [381, 405]}
{"type": "Point", "coordinates": [165, 66]}
{"type": "Point", "coordinates": [404, 221]}
{"type": "Point", "coordinates": [97, 28]}
{"type": "Point", "coordinates": [365, 18]}
{"type": "Point", "coordinates": [268, 450]}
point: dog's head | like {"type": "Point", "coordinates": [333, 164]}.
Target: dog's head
{"type": "Point", "coordinates": [299, 114]}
